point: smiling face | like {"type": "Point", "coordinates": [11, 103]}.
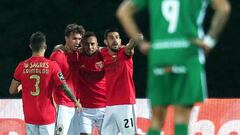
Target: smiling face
{"type": "Point", "coordinates": [113, 41]}
{"type": "Point", "coordinates": [90, 45]}
{"type": "Point", "coordinates": [73, 40]}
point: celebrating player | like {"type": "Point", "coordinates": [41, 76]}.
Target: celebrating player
{"type": "Point", "coordinates": [93, 89]}
{"type": "Point", "coordinates": [67, 58]}
{"type": "Point", "coordinates": [120, 90]}
{"type": "Point", "coordinates": [38, 77]}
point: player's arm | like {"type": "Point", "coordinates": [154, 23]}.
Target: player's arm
{"type": "Point", "coordinates": [69, 93]}
{"type": "Point", "coordinates": [61, 83]}
{"type": "Point", "coordinates": [15, 87]}
{"type": "Point", "coordinates": [129, 48]}
{"type": "Point", "coordinates": [125, 14]}
{"type": "Point", "coordinates": [222, 11]}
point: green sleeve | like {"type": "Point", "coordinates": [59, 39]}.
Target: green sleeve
{"type": "Point", "coordinates": [140, 4]}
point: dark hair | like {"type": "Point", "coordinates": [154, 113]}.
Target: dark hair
{"type": "Point", "coordinates": [74, 28]}
{"type": "Point", "coordinates": [110, 30]}
{"type": "Point", "coordinates": [88, 34]}
{"type": "Point", "coordinates": [37, 41]}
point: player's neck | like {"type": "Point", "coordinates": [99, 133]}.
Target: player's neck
{"type": "Point", "coordinates": [68, 49]}
{"type": "Point", "coordinates": [38, 54]}
{"type": "Point", "coordinates": [111, 52]}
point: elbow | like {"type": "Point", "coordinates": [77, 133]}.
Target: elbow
{"type": "Point", "coordinates": [11, 92]}
{"type": "Point", "coordinates": [225, 9]}
{"type": "Point", "coordinates": [120, 13]}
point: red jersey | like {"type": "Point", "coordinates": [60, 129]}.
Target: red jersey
{"type": "Point", "coordinates": [38, 76]}
{"type": "Point", "coordinates": [119, 77]}
{"type": "Point", "coordinates": [92, 78]}
{"type": "Point", "coordinates": [68, 64]}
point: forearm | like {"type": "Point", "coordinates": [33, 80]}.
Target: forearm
{"type": "Point", "coordinates": [13, 91]}
{"type": "Point", "coordinates": [219, 19]}
{"type": "Point", "coordinates": [68, 92]}
{"type": "Point", "coordinates": [15, 87]}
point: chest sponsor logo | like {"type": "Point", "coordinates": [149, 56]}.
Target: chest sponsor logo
{"type": "Point", "coordinates": [99, 64]}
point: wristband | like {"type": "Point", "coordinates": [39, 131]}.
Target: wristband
{"type": "Point", "coordinates": [210, 42]}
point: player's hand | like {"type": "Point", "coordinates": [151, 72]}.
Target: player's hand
{"type": "Point", "coordinates": [19, 88]}
{"type": "Point", "coordinates": [133, 42]}
{"type": "Point", "coordinates": [78, 105]}
{"type": "Point", "coordinates": [142, 44]}
{"type": "Point", "coordinates": [202, 44]}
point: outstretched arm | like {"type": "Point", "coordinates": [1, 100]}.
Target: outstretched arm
{"type": "Point", "coordinates": [129, 49]}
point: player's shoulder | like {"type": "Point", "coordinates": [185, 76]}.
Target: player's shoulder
{"type": "Point", "coordinates": [52, 64]}
{"type": "Point", "coordinates": [59, 48]}
{"type": "Point", "coordinates": [57, 52]}
{"type": "Point", "coordinates": [122, 49]}
{"type": "Point", "coordinates": [25, 61]}
{"type": "Point", "coordinates": [21, 63]}
{"type": "Point", "coordinates": [51, 61]}
{"type": "Point", "coordinates": [103, 50]}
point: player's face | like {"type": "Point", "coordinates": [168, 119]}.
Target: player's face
{"type": "Point", "coordinates": [73, 40]}
{"type": "Point", "coordinates": [113, 41]}
{"type": "Point", "coordinates": [90, 45]}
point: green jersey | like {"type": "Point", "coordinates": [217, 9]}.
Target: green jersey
{"type": "Point", "coordinates": [173, 23]}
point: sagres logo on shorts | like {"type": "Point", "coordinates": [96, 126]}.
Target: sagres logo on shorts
{"type": "Point", "coordinates": [216, 117]}
{"type": "Point", "coordinates": [60, 75]}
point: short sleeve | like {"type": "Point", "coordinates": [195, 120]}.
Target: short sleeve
{"type": "Point", "coordinates": [57, 56]}
{"type": "Point", "coordinates": [140, 4]}
{"type": "Point", "coordinates": [57, 75]}
{"type": "Point", "coordinates": [17, 72]}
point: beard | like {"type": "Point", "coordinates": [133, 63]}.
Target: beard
{"type": "Point", "coordinates": [114, 49]}
{"type": "Point", "coordinates": [90, 53]}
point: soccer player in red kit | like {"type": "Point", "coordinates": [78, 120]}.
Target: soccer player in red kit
{"type": "Point", "coordinates": [93, 90]}
{"type": "Point", "coordinates": [66, 56]}
{"type": "Point", "coordinates": [38, 76]}
{"type": "Point", "coordinates": [120, 90]}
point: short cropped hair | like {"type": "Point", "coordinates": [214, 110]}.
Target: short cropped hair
{"type": "Point", "coordinates": [74, 28]}
{"type": "Point", "coordinates": [88, 34]}
{"type": "Point", "coordinates": [109, 31]}
{"type": "Point", "coordinates": [37, 41]}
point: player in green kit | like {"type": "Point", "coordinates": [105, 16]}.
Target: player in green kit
{"type": "Point", "coordinates": [176, 56]}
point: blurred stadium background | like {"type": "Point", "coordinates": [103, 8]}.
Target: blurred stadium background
{"type": "Point", "coordinates": [20, 18]}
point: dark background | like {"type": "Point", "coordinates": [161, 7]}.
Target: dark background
{"type": "Point", "coordinates": [20, 18]}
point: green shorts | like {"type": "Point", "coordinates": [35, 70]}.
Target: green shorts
{"type": "Point", "coordinates": [176, 84]}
